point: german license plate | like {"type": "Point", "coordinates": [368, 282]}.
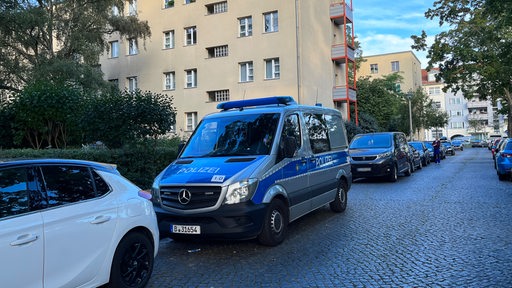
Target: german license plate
{"type": "Point", "coordinates": [364, 169]}
{"type": "Point", "coordinates": [186, 229]}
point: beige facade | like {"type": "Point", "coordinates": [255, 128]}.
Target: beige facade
{"type": "Point", "coordinates": [205, 52]}
{"type": "Point", "coordinates": [405, 63]}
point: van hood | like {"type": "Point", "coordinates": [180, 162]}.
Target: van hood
{"type": "Point", "coordinates": [368, 152]}
{"type": "Point", "coordinates": [207, 170]}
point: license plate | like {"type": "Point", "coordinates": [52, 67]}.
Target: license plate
{"type": "Point", "coordinates": [186, 229]}
{"type": "Point", "coordinates": [364, 169]}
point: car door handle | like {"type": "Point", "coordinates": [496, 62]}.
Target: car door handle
{"type": "Point", "coordinates": [101, 219]}
{"type": "Point", "coordinates": [24, 239]}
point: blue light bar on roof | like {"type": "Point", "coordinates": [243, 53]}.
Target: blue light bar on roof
{"type": "Point", "coordinates": [285, 100]}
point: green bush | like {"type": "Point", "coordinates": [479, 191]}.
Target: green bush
{"type": "Point", "coordinates": [138, 163]}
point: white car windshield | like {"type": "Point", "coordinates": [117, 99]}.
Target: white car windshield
{"type": "Point", "coordinates": [240, 135]}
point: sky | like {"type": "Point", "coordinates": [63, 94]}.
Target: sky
{"type": "Point", "coordinates": [386, 26]}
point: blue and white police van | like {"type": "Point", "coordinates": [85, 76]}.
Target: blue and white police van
{"type": "Point", "coordinates": [250, 169]}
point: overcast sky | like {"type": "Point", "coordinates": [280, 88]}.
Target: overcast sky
{"type": "Point", "coordinates": [386, 26]}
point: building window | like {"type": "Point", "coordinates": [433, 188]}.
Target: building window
{"type": "Point", "coordinates": [374, 68]}
{"type": "Point", "coordinates": [168, 3]}
{"type": "Point", "coordinates": [272, 68]}
{"type": "Point", "coordinates": [215, 8]}
{"type": "Point", "coordinates": [132, 47]}
{"type": "Point", "coordinates": [190, 36]}
{"type": "Point", "coordinates": [191, 78]}
{"type": "Point", "coordinates": [245, 26]}
{"type": "Point", "coordinates": [191, 121]}
{"type": "Point", "coordinates": [169, 39]}
{"type": "Point", "coordinates": [132, 84]}
{"type": "Point", "coordinates": [189, 1]}
{"type": "Point", "coordinates": [271, 22]}
{"type": "Point", "coordinates": [434, 90]}
{"type": "Point", "coordinates": [132, 7]}
{"type": "Point", "coordinates": [457, 125]}
{"type": "Point", "coordinates": [395, 66]}
{"type": "Point", "coordinates": [218, 51]}
{"type": "Point", "coordinates": [218, 96]}
{"type": "Point", "coordinates": [114, 49]}
{"type": "Point", "coordinates": [437, 104]}
{"type": "Point", "coordinates": [115, 10]}
{"type": "Point", "coordinates": [169, 81]}
{"type": "Point", "coordinates": [246, 72]}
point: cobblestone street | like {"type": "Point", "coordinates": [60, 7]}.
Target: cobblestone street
{"type": "Point", "coordinates": [447, 225]}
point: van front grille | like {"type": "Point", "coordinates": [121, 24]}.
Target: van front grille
{"type": "Point", "coordinates": [189, 197]}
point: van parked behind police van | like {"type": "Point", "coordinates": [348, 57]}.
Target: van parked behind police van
{"type": "Point", "coordinates": [250, 169]}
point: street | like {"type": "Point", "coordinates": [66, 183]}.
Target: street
{"type": "Point", "coordinates": [447, 225]}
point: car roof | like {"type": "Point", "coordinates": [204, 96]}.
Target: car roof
{"type": "Point", "coordinates": [50, 161]}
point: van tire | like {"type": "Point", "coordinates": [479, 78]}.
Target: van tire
{"type": "Point", "coordinates": [393, 174]}
{"type": "Point", "coordinates": [340, 201]}
{"type": "Point", "coordinates": [275, 224]}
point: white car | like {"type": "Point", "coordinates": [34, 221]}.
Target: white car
{"type": "Point", "coordinates": [72, 223]}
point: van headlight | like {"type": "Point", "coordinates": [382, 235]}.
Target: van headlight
{"type": "Point", "coordinates": [384, 155]}
{"type": "Point", "coordinates": [241, 191]}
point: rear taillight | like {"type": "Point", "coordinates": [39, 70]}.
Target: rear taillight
{"type": "Point", "coordinates": [506, 155]}
{"type": "Point", "coordinates": [145, 194]}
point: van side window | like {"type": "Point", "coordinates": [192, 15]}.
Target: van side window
{"type": "Point", "coordinates": [318, 132]}
{"type": "Point", "coordinates": [291, 133]}
{"type": "Point", "coordinates": [337, 134]}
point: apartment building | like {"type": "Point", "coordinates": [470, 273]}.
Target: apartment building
{"type": "Point", "coordinates": [205, 52]}
{"type": "Point", "coordinates": [473, 117]}
{"type": "Point", "coordinates": [404, 63]}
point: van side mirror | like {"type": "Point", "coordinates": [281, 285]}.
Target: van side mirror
{"type": "Point", "coordinates": [290, 146]}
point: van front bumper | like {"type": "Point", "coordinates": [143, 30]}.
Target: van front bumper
{"type": "Point", "coordinates": [235, 221]}
{"type": "Point", "coordinates": [371, 169]}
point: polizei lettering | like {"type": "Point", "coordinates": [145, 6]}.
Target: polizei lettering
{"type": "Point", "coordinates": [211, 170]}
{"type": "Point", "coordinates": [322, 161]}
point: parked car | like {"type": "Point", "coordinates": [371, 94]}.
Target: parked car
{"type": "Point", "coordinates": [384, 154]}
{"type": "Point", "coordinates": [458, 145]}
{"type": "Point", "coordinates": [72, 223]}
{"type": "Point", "coordinates": [423, 150]}
{"type": "Point", "coordinates": [494, 146]}
{"type": "Point", "coordinates": [415, 158]}
{"type": "Point", "coordinates": [504, 160]}
{"type": "Point", "coordinates": [477, 143]}
{"type": "Point", "coordinates": [448, 148]}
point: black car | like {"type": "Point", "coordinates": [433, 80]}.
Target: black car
{"type": "Point", "coordinates": [416, 162]}
{"type": "Point", "coordinates": [384, 154]}
{"type": "Point", "coordinates": [423, 150]}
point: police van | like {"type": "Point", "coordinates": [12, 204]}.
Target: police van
{"type": "Point", "coordinates": [250, 169]}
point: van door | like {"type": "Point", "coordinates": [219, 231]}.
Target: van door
{"type": "Point", "coordinates": [295, 168]}
{"type": "Point", "coordinates": [322, 169]}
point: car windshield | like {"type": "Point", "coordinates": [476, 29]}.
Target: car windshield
{"type": "Point", "coordinates": [238, 135]}
{"type": "Point", "coordinates": [371, 141]}
{"type": "Point", "coordinates": [447, 144]}
{"type": "Point", "coordinates": [456, 142]}
{"type": "Point", "coordinates": [417, 146]}
{"type": "Point", "coordinates": [429, 145]}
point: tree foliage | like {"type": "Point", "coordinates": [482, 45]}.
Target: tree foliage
{"type": "Point", "coordinates": [59, 40]}
{"type": "Point", "coordinates": [475, 54]}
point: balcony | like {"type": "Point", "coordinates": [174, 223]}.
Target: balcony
{"type": "Point", "coordinates": [343, 92]}
{"type": "Point", "coordinates": [477, 104]}
{"type": "Point", "coordinates": [338, 10]}
{"type": "Point", "coordinates": [478, 117]}
{"type": "Point", "coordinates": [338, 53]}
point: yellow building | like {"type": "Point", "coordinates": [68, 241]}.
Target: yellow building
{"type": "Point", "coordinates": [205, 52]}
{"type": "Point", "coordinates": [405, 64]}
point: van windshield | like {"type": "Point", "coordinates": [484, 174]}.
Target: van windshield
{"type": "Point", "coordinates": [371, 141]}
{"type": "Point", "coordinates": [239, 135]}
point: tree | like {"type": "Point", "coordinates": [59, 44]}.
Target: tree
{"type": "Point", "coordinates": [120, 118]}
{"type": "Point", "coordinates": [475, 54]}
{"type": "Point", "coordinates": [378, 98]}
{"type": "Point", "coordinates": [59, 40]}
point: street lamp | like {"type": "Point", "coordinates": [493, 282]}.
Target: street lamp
{"type": "Point", "coordinates": [409, 98]}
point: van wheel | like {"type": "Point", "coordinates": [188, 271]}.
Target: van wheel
{"type": "Point", "coordinates": [340, 201]}
{"type": "Point", "coordinates": [133, 261]}
{"type": "Point", "coordinates": [393, 174]}
{"type": "Point", "coordinates": [275, 224]}
{"type": "Point", "coordinates": [409, 170]}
